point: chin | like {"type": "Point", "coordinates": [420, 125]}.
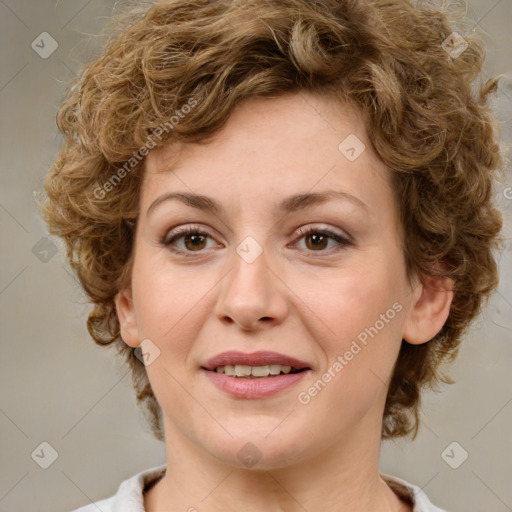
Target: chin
{"type": "Point", "coordinates": [259, 448]}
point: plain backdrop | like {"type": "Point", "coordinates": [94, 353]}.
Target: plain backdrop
{"type": "Point", "coordinates": [58, 387]}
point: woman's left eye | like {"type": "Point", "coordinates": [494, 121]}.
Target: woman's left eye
{"type": "Point", "coordinates": [317, 239]}
{"type": "Point", "coordinates": [195, 239]}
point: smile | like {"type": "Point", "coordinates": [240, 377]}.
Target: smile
{"type": "Point", "coordinates": [242, 370]}
{"type": "Point", "coordinates": [254, 375]}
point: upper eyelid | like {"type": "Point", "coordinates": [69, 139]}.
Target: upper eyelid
{"type": "Point", "coordinates": [307, 229]}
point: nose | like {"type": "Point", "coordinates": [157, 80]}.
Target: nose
{"type": "Point", "coordinates": [252, 295]}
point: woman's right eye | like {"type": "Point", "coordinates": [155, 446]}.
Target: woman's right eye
{"type": "Point", "coordinates": [194, 240]}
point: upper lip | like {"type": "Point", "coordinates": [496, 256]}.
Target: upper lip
{"type": "Point", "coordinates": [234, 357]}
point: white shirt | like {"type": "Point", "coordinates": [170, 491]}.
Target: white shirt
{"type": "Point", "coordinates": [129, 496]}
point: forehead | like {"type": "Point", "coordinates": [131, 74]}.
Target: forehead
{"type": "Point", "coordinates": [270, 149]}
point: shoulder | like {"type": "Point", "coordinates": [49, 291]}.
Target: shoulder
{"type": "Point", "coordinates": [129, 496]}
{"type": "Point", "coordinates": [411, 493]}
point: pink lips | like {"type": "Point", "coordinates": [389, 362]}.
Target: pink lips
{"type": "Point", "coordinates": [255, 359]}
{"type": "Point", "coordinates": [240, 387]}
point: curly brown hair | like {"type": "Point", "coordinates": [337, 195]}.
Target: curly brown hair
{"type": "Point", "coordinates": [427, 119]}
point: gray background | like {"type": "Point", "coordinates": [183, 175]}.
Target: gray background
{"type": "Point", "coordinates": [58, 387]}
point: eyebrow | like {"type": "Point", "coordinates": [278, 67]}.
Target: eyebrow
{"type": "Point", "coordinates": [288, 205]}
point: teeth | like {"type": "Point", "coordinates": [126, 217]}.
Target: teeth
{"type": "Point", "coordinates": [260, 371]}
{"type": "Point", "coordinates": [274, 369]}
{"type": "Point", "coordinates": [242, 370]}
{"type": "Point", "coordinates": [229, 370]}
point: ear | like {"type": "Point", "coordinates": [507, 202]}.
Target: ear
{"type": "Point", "coordinates": [430, 310]}
{"type": "Point", "coordinates": [127, 317]}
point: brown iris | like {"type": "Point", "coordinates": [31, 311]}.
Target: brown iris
{"type": "Point", "coordinates": [318, 241]}
{"type": "Point", "coordinates": [197, 241]}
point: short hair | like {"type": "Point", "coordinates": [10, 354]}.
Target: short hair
{"type": "Point", "coordinates": [427, 118]}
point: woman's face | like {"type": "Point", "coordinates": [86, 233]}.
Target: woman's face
{"type": "Point", "coordinates": [301, 258]}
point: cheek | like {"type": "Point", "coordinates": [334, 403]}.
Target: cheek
{"type": "Point", "coordinates": [173, 304]}
{"type": "Point", "coordinates": [165, 294]}
{"type": "Point", "coordinates": [364, 315]}
{"type": "Point", "coordinates": [349, 300]}
{"type": "Point", "coordinates": [361, 320]}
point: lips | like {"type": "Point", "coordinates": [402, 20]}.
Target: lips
{"type": "Point", "coordinates": [245, 386]}
{"type": "Point", "coordinates": [261, 358]}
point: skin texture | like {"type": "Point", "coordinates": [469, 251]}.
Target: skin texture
{"type": "Point", "coordinates": [302, 300]}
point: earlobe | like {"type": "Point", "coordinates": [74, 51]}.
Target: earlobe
{"type": "Point", "coordinates": [127, 317]}
{"type": "Point", "coordinates": [429, 311]}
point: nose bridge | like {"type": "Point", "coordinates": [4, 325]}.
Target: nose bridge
{"type": "Point", "coordinates": [251, 291]}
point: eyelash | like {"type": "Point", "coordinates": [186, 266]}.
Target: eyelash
{"type": "Point", "coordinates": [181, 232]}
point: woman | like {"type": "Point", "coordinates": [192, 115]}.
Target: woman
{"type": "Point", "coordinates": [281, 212]}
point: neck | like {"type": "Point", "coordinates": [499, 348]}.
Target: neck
{"type": "Point", "coordinates": [343, 478]}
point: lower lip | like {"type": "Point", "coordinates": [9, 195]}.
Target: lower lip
{"type": "Point", "coordinates": [262, 387]}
